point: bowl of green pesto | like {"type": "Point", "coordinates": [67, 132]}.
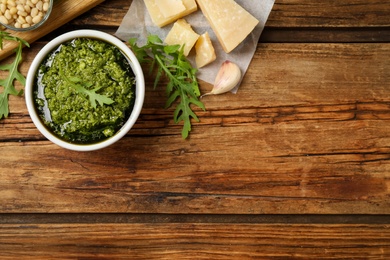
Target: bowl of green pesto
{"type": "Point", "coordinates": [85, 90]}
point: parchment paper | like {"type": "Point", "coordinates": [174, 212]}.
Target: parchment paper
{"type": "Point", "coordinates": [138, 24]}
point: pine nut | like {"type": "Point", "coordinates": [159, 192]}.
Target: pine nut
{"type": "Point", "coordinates": [3, 20]}
{"type": "Point", "coordinates": [13, 10]}
{"type": "Point", "coordinates": [29, 19]}
{"type": "Point", "coordinates": [20, 7]}
{"type": "Point", "coordinates": [8, 14]}
{"type": "Point", "coordinates": [23, 13]}
{"type": "Point", "coordinates": [34, 12]}
{"type": "Point", "coordinates": [45, 6]}
{"type": "Point", "coordinates": [29, 3]}
{"type": "Point", "coordinates": [39, 5]}
{"type": "Point", "coordinates": [37, 19]}
{"type": "Point", "coordinates": [21, 20]}
{"type": "Point", "coordinates": [3, 7]}
{"type": "Point", "coordinates": [27, 8]}
{"type": "Point", "coordinates": [11, 3]}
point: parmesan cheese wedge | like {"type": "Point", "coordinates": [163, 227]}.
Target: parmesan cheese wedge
{"type": "Point", "coordinates": [164, 12]}
{"type": "Point", "coordinates": [205, 52]}
{"type": "Point", "coordinates": [182, 34]}
{"type": "Point", "coordinates": [230, 22]}
{"type": "Point", "coordinates": [170, 8]}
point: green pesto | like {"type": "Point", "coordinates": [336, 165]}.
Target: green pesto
{"type": "Point", "coordinates": [67, 111]}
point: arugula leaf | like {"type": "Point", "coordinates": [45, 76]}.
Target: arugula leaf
{"type": "Point", "coordinates": [13, 74]}
{"type": "Point", "coordinates": [7, 36]}
{"type": "Point", "coordinates": [182, 82]}
{"type": "Point", "coordinates": [82, 87]}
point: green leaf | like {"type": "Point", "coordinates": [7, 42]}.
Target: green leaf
{"type": "Point", "coordinates": [172, 98]}
{"type": "Point", "coordinates": [82, 87]}
{"type": "Point", "coordinates": [154, 40]}
{"type": "Point", "coordinates": [13, 74]}
{"type": "Point", "coordinates": [133, 41]}
{"type": "Point", "coordinates": [170, 49]}
{"type": "Point", "coordinates": [4, 110]}
{"type": "Point", "coordinates": [182, 83]}
{"type": "Point", "coordinates": [7, 36]}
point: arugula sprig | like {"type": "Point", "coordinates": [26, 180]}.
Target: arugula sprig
{"type": "Point", "coordinates": [13, 73]}
{"type": "Point", "coordinates": [83, 87]}
{"type": "Point", "coordinates": [182, 82]}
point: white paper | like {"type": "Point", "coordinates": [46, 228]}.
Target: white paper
{"type": "Point", "coordinates": [138, 24]}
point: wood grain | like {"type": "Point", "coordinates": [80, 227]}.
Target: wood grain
{"type": "Point", "coordinates": [294, 166]}
{"type": "Point", "coordinates": [317, 116]}
{"type": "Point", "coordinates": [331, 13]}
{"type": "Point", "coordinates": [290, 21]}
{"type": "Point", "coordinates": [285, 14]}
{"type": "Point", "coordinates": [194, 241]}
{"type": "Point", "coordinates": [63, 12]}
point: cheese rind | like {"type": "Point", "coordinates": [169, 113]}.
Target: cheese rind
{"type": "Point", "coordinates": [230, 22]}
{"type": "Point", "coordinates": [182, 34]}
{"type": "Point", "coordinates": [158, 16]}
{"type": "Point", "coordinates": [205, 53]}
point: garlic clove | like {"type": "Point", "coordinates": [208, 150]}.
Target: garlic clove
{"type": "Point", "coordinates": [228, 76]}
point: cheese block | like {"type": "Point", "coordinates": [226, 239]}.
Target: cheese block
{"type": "Point", "coordinates": [230, 22]}
{"type": "Point", "coordinates": [168, 7]}
{"type": "Point", "coordinates": [182, 34]}
{"type": "Point", "coordinates": [205, 52]}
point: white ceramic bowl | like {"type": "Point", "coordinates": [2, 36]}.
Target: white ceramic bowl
{"type": "Point", "coordinates": [139, 88]}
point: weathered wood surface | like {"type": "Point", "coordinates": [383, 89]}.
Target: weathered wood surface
{"type": "Point", "coordinates": [194, 241]}
{"type": "Point", "coordinates": [285, 14]}
{"type": "Point", "coordinates": [307, 133]}
{"type": "Point", "coordinates": [330, 13]}
{"type": "Point", "coordinates": [289, 21]}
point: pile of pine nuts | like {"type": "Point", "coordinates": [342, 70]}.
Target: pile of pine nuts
{"type": "Point", "coordinates": [23, 13]}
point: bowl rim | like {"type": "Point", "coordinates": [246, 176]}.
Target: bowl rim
{"type": "Point", "coordinates": [139, 89]}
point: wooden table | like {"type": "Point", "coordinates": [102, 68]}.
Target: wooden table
{"type": "Point", "coordinates": [295, 165]}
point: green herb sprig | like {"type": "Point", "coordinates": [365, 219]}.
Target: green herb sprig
{"type": "Point", "coordinates": [83, 87]}
{"type": "Point", "coordinates": [182, 82]}
{"type": "Point", "coordinates": [13, 73]}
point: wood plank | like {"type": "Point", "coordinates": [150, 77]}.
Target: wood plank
{"type": "Point", "coordinates": [262, 177]}
{"type": "Point", "coordinates": [285, 14]}
{"type": "Point", "coordinates": [330, 13]}
{"type": "Point", "coordinates": [63, 12]}
{"type": "Point", "coordinates": [136, 218]}
{"type": "Point", "coordinates": [194, 241]}
{"type": "Point", "coordinates": [284, 75]}
{"type": "Point", "coordinates": [290, 21]}
{"type": "Point", "coordinates": [296, 165]}
{"type": "Point", "coordinates": [315, 118]}
{"type": "Point", "coordinates": [325, 35]}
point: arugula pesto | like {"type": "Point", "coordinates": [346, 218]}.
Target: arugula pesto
{"type": "Point", "coordinates": [85, 90]}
